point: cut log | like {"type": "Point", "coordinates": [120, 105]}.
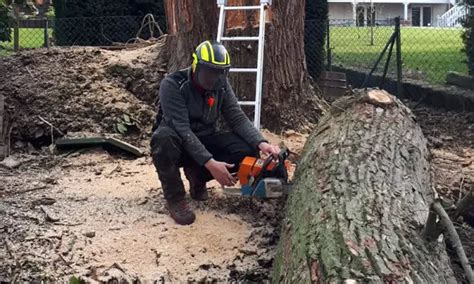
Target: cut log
{"type": "Point", "coordinates": [361, 198]}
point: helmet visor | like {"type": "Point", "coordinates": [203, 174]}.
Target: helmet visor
{"type": "Point", "coordinates": [211, 78]}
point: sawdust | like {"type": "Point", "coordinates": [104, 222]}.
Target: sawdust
{"type": "Point", "coordinates": [122, 214]}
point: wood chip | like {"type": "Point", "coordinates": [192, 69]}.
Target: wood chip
{"type": "Point", "coordinates": [379, 97]}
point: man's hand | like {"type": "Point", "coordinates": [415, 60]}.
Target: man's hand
{"type": "Point", "coordinates": [220, 172]}
{"type": "Point", "coordinates": [268, 149]}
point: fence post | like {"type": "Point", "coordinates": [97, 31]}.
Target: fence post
{"type": "Point", "coordinates": [399, 57]}
{"type": "Point", "coordinates": [16, 28]}
{"type": "Point", "coordinates": [46, 35]}
{"type": "Point", "coordinates": [328, 47]}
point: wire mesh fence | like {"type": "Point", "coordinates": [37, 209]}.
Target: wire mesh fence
{"type": "Point", "coordinates": [91, 31]}
{"type": "Point", "coordinates": [106, 30]}
{"type": "Point", "coordinates": [28, 34]}
{"type": "Point", "coordinates": [428, 53]}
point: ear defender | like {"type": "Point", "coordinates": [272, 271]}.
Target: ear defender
{"type": "Point", "coordinates": [195, 62]}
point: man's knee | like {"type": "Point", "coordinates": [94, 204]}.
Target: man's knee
{"type": "Point", "coordinates": [166, 147]}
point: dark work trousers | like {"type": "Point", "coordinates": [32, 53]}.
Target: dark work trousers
{"type": "Point", "coordinates": [169, 155]}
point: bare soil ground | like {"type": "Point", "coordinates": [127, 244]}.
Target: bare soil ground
{"type": "Point", "coordinates": [100, 215]}
{"type": "Point", "coordinates": [80, 214]}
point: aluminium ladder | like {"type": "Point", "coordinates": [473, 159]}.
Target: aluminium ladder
{"type": "Point", "coordinates": [261, 43]}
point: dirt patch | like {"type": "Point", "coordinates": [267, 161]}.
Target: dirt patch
{"type": "Point", "coordinates": [81, 89]}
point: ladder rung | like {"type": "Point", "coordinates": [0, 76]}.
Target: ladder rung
{"type": "Point", "coordinates": [247, 103]}
{"type": "Point", "coordinates": [242, 38]}
{"type": "Point", "coordinates": [234, 8]}
{"type": "Point", "coordinates": [243, 70]}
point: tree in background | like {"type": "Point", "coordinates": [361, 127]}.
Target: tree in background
{"type": "Point", "coordinates": [5, 30]}
{"type": "Point", "coordinates": [315, 35]}
{"type": "Point", "coordinates": [468, 36]}
{"type": "Point", "coordinates": [101, 22]}
{"type": "Point", "coordinates": [289, 101]}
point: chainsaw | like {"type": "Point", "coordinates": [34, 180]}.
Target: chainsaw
{"type": "Point", "coordinates": [262, 178]}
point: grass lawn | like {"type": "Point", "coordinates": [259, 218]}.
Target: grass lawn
{"type": "Point", "coordinates": [427, 53]}
{"type": "Point", "coordinates": [29, 38]}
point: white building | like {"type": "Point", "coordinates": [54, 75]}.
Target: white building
{"type": "Point", "coordinates": [422, 13]}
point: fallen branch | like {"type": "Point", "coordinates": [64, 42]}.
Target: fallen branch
{"type": "Point", "coordinates": [117, 167]}
{"type": "Point", "coordinates": [69, 224]}
{"type": "Point", "coordinates": [65, 261]}
{"type": "Point", "coordinates": [31, 189]}
{"type": "Point", "coordinates": [454, 237]}
{"type": "Point", "coordinates": [9, 249]}
{"type": "Point", "coordinates": [8, 246]}
{"type": "Point", "coordinates": [31, 74]}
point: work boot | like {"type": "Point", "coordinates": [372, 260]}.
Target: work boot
{"type": "Point", "coordinates": [197, 187]}
{"type": "Point", "coordinates": [181, 212]}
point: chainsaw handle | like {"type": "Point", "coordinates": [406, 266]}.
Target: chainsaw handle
{"type": "Point", "coordinates": [282, 156]}
{"type": "Point", "coordinates": [267, 162]}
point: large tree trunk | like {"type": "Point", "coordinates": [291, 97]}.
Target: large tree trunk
{"type": "Point", "coordinates": [361, 197]}
{"type": "Point", "coordinates": [289, 101]}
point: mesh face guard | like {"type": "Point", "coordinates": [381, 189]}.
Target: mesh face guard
{"type": "Point", "coordinates": [211, 78]}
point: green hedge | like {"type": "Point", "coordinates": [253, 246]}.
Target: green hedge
{"type": "Point", "coordinates": [468, 38]}
{"type": "Point", "coordinates": [101, 22]}
{"type": "Point", "coordinates": [5, 30]}
{"type": "Point", "coordinates": [315, 34]}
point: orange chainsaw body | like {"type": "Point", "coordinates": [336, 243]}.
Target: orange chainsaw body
{"type": "Point", "coordinates": [252, 167]}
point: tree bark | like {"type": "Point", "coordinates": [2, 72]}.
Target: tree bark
{"type": "Point", "coordinates": [361, 198]}
{"type": "Point", "coordinates": [289, 101]}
